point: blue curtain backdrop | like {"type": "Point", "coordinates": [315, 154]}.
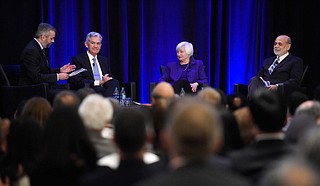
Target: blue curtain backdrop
{"type": "Point", "coordinates": [232, 37]}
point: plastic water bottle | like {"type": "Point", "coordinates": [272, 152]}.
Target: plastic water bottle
{"type": "Point", "coordinates": [182, 92]}
{"type": "Point", "coordinates": [123, 96]}
{"type": "Point", "coordinates": [116, 94]}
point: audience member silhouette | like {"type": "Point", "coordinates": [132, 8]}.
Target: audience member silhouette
{"type": "Point", "coordinates": [248, 130]}
{"type": "Point", "coordinates": [130, 136]}
{"type": "Point", "coordinates": [37, 107]}
{"type": "Point", "coordinates": [300, 124]}
{"type": "Point", "coordinates": [24, 145]}
{"type": "Point", "coordinates": [293, 101]}
{"type": "Point", "coordinates": [269, 114]}
{"type": "Point", "coordinates": [193, 131]}
{"type": "Point", "coordinates": [84, 92]}
{"type": "Point", "coordinates": [67, 152]}
{"type": "Point", "coordinates": [66, 98]}
{"type": "Point", "coordinates": [310, 108]}
{"type": "Point", "coordinates": [292, 171]}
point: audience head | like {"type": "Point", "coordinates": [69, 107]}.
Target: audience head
{"type": "Point", "coordinates": [66, 98]}
{"type": "Point", "coordinates": [84, 92]}
{"type": "Point", "coordinates": [66, 142]}
{"type": "Point", "coordinates": [185, 47]}
{"type": "Point", "coordinates": [45, 34]}
{"type": "Point", "coordinates": [268, 111]}
{"type": "Point", "coordinates": [163, 90]}
{"type": "Point", "coordinates": [24, 145]}
{"type": "Point", "coordinates": [298, 126]}
{"type": "Point", "coordinates": [311, 108]}
{"type": "Point", "coordinates": [130, 131]}
{"type": "Point", "coordinates": [4, 131]}
{"type": "Point", "coordinates": [194, 129]}
{"type": "Point", "coordinates": [247, 128]}
{"type": "Point", "coordinates": [38, 108]}
{"type": "Point", "coordinates": [291, 172]}
{"type": "Point", "coordinates": [309, 145]}
{"type": "Point", "coordinates": [294, 100]}
{"type": "Point", "coordinates": [210, 95]}
{"type": "Point", "coordinates": [96, 111]}
{"type": "Point", "coordinates": [236, 101]}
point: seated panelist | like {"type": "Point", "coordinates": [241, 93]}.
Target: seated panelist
{"type": "Point", "coordinates": [97, 75]}
{"type": "Point", "coordinates": [187, 73]}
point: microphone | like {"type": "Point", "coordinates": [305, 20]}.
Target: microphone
{"type": "Point", "coordinates": [93, 64]}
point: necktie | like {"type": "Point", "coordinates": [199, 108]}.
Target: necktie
{"type": "Point", "coordinates": [45, 55]}
{"type": "Point", "coordinates": [96, 73]}
{"type": "Point", "coordinates": [273, 66]}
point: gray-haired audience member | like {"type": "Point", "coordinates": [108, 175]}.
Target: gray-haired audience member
{"type": "Point", "coordinates": [96, 112]}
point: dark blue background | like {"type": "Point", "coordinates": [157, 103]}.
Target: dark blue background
{"type": "Point", "coordinates": [232, 37]}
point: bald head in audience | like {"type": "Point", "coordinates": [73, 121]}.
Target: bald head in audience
{"type": "Point", "coordinates": [310, 108]}
{"type": "Point", "coordinates": [162, 90]}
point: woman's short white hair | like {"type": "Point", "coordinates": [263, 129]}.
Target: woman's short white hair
{"type": "Point", "coordinates": [96, 111]}
{"type": "Point", "coordinates": [188, 47]}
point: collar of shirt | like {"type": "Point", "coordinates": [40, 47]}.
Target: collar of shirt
{"type": "Point", "coordinates": [282, 57]}
{"type": "Point", "coordinates": [91, 56]}
{"type": "Point", "coordinates": [38, 43]}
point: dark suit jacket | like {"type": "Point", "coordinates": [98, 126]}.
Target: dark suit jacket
{"type": "Point", "coordinates": [288, 72]}
{"type": "Point", "coordinates": [130, 171]}
{"type": "Point", "coordinates": [195, 70]}
{"type": "Point", "coordinates": [34, 67]}
{"type": "Point", "coordinates": [196, 174]}
{"type": "Point", "coordinates": [253, 160]}
{"type": "Point", "coordinates": [82, 61]}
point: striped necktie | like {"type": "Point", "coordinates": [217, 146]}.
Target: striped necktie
{"type": "Point", "coordinates": [273, 66]}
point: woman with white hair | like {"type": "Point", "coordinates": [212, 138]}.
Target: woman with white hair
{"type": "Point", "coordinates": [187, 73]}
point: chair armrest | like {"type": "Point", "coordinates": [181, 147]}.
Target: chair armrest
{"type": "Point", "coordinates": [11, 96]}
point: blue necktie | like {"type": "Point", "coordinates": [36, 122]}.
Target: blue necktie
{"type": "Point", "coordinates": [273, 66]}
{"type": "Point", "coordinates": [96, 73]}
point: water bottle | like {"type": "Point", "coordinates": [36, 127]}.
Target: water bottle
{"type": "Point", "coordinates": [122, 97]}
{"type": "Point", "coordinates": [116, 94]}
{"type": "Point", "coordinates": [182, 92]}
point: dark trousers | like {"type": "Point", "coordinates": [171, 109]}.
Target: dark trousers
{"type": "Point", "coordinates": [255, 83]}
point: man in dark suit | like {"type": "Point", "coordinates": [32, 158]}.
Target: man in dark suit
{"type": "Point", "coordinates": [193, 133]}
{"type": "Point", "coordinates": [35, 66]}
{"type": "Point", "coordinates": [283, 69]}
{"type": "Point", "coordinates": [98, 74]}
{"type": "Point", "coordinates": [269, 115]}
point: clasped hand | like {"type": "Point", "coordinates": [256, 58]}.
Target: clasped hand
{"type": "Point", "coordinates": [194, 86]}
{"type": "Point", "coordinates": [105, 78]}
